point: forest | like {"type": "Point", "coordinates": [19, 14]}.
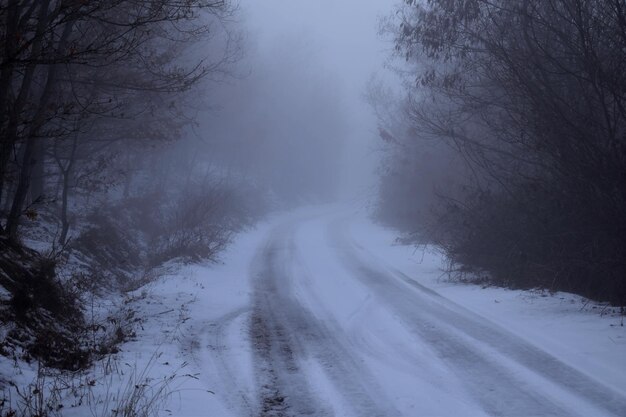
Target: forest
{"type": "Point", "coordinates": [507, 145]}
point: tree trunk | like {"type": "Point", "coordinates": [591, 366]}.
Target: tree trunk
{"type": "Point", "coordinates": [67, 175]}
{"type": "Point", "coordinates": [6, 74]}
{"type": "Point", "coordinates": [22, 189]}
{"type": "Point", "coordinates": [10, 136]}
{"type": "Point", "coordinates": [28, 156]}
{"type": "Point", "coordinates": [65, 225]}
{"type": "Point", "coordinates": [38, 176]}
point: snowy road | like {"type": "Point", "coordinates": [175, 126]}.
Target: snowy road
{"type": "Point", "coordinates": [333, 330]}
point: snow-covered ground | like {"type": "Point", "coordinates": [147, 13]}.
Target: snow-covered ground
{"type": "Point", "coordinates": [319, 312]}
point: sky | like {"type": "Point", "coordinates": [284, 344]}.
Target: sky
{"type": "Point", "coordinates": [339, 38]}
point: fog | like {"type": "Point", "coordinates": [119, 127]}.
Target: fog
{"type": "Point", "coordinates": [272, 202]}
{"type": "Point", "coordinates": [264, 101]}
{"type": "Point", "coordinates": [293, 116]}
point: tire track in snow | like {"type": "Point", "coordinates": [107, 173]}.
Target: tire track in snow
{"type": "Point", "coordinates": [284, 334]}
{"type": "Point", "coordinates": [283, 390]}
{"type": "Point", "coordinates": [447, 326]}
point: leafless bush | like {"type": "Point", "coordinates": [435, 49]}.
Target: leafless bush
{"type": "Point", "coordinates": [140, 395]}
{"type": "Point", "coordinates": [115, 393]}
{"type": "Point", "coordinates": [194, 225]}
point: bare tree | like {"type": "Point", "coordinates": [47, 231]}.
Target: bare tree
{"type": "Point", "coordinates": [65, 62]}
{"type": "Point", "coordinates": [531, 93]}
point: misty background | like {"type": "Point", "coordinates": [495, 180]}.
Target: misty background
{"type": "Point", "coordinates": [296, 117]}
{"type": "Point", "coordinates": [139, 134]}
